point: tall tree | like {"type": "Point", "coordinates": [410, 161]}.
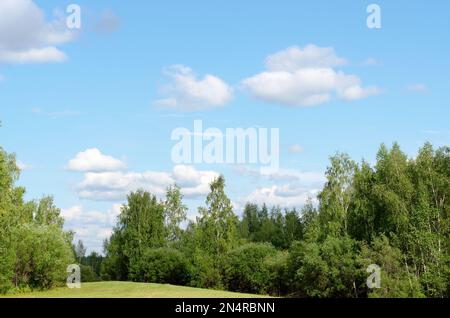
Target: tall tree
{"type": "Point", "coordinates": [47, 213]}
{"type": "Point", "coordinates": [217, 221]}
{"type": "Point", "coordinates": [336, 196]}
{"type": "Point", "coordinates": [140, 227]}
{"type": "Point", "coordinates": [174, 213]}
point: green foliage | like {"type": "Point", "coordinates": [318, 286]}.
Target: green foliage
{"type": "Point", "coordinates": [217, 224]}
{"type": "Point", "coordinates": [174, 213]}
{"type": "Point", "coordinates": [394, 214]}
{"type": "Point", "coordinates": [245, 268]}
{"type": "Point", "coordinates": [88, 274]}
{"type": "Point", "coordinates": [336, 196]}
{"type": "Point", "coordinates": [47, 213]}
{"type": "Point", "coordinates": [140, 226]}
{"type": "Point", "coordinates": [328, 269]}
{"type": "Point", "coordinates": [277, 265]}
{"type": "Point", "coordinates": [93, 260]}
{"type": "Point", "coordinates": [396, 279]}
{"type": "Point", "coordinates": [164, 265]}
{"type": "Point", "coordinates": [42, 255]}
{"type": "Point", "coordinates": [34, 250]}
{"type": "Point", "coordinates": [115, 265]}
{"type": "Point", "coordinates": [278, 228]}
{"type": "Point", "coordinates": [204, 270]}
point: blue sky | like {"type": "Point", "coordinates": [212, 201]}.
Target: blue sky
{"type": "Point", "coordinates": [101, 88]}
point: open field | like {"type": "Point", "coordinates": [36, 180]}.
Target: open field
{"type": "Point", "coordinates": [131, 290]}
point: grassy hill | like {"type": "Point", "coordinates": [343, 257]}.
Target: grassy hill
{"type": "Point", "coordinates": [131, 290]}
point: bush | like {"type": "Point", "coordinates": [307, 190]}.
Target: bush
{"type": "Point", "coordinates": [7, 258]}
{"type": "Point", "coordinates": [277, 265]}
{"type": "Point", "coordinates": [165, 266]}
{"type": "Point", "coordinates": [204, 272]}
{"type": "Point", "coordinates": [88, 274]}
{"type": "Point", "coordinates": [396, 281]}
{"type": "Point", "coordinates": [326, 269]}
{"type": "Point", "coordinates": [115, 264]}
{"type": "Point", "coordinates": [41, 256]}
{"type": "Point", "coordinates": [246, 269]}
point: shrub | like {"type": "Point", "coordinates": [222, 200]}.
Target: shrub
{"type": "Point", "coordinates": [88, 274]}
{"type": "Point", "coordinates": [164, 265]}
{"type": "Point", "coordinates": [204, 272]}
{"type": "Point", "coordinates": [277, 265]}
{"type": "Point", "coordinates": [396, 281]}
{"type": "Point", "coordinates": [326, 269]}
{"type": "Point", "coordinates": [41, 256]}
{"type": "Point", "coordinates": [246, 269]}
{"type": "Point", "coordinates": [7, 258]}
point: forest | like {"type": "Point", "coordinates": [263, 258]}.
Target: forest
{"type": "Point", "coordinates": [393, 213]}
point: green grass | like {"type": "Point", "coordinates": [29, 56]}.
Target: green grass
{"type": "Point", "coordinates": [131, 290]}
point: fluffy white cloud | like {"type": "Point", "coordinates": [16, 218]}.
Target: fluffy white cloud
{"type": "Point", "coordinates": [285, 175]}
{"type": "Point", "coordinates": [93, 160]}
{"type": "Point", "coordinates": [295, 58]}
{"type": "Point", "coordinates": [305, 77]}
{"type": "Point", "coordinates": [287, 187]}
{"type": "Point", "coordinates": [91, 226]}
{"type": "Point", "coordinates": [25, 35]}
{"type": "Point", "coordinates": [306, 177]}
{"type": "Point", "coordinates": [187, 93]}
{"type": "Point", "coordinates": [281, 195]}
{"type": "Point", "coordinates": [112, 186]}
{"type": "Point", "coordinates": [79, 215]}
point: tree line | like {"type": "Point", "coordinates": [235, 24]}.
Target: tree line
{"type": "Point", "coordinates": [394, 213]}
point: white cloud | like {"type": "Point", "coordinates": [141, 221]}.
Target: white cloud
{"type": "Point", "coordinates": [93, 160]}
{"type": "Point", "coordinates": [25, 35]}
{"type": "Point", "coordinates": [41, 55]}
{"type": "Point", "coordinates": [295, 148]}
{"type": "Point", "coordinates": [77, 214]}
{"type": "Point", "coordinates": [287, 187]}
{"type": "Point", "coordinates": [295, 58]}
{"type": "Point", "coordinates": [305, 77]}
{"type": "Point", "coordinates": [305, 177]}
{"type": "Point", "coordinates": [281, 195]}
{"type": "Point", "coordinates": [193, 182]}
{"type": "Point", "coordinates": [187, 93]}
{"type": "Point", "coordinates": [91, 226]}
{"type": "Point", "coordinates": [285, 175]}
{"type": "Point", "coordinates": [72, 213]}
{"type": "Point", "coordinates": [113, 186]}
{"type": "Point", "coordinates": [417, 88]}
